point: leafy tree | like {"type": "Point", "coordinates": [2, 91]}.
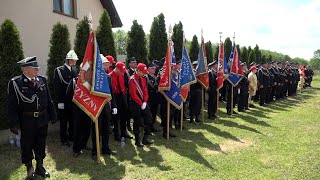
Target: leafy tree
{"type": "Point", "coordinates": [209, 51]}
{"type": "Point", "coordinates": [263, 59]}
{"type": "Point", "coordinates": [158, 38]}
{"type": "Point", "coordinates": [227, 47]}
{"type": "Point", "coordinates": [216, 51]}
{"type": "Point", "coordinates": [252, 57]}
{"type": "Point", "coordinates": [120, 38]}
{"type": "Point", "coordinates": [136, 43]}
{"type": "Point", "coordinates": [257, 52]}
{"type": "Point", "coordinates": [194, 49]}
{"type": "Point", "coordinates": [10, 53]}
{"type": "Point", "coordinates": [244, 55]}
{"type": "Point", "coordinates": [315, 60]}
{"type": "Point", "coordinates": [81, 39]}
{"type": "Point", "coordinates": [105, 37]}
{"type": "Point", "coordinates": [177, 38]}
{"type": "Point", "coordinates": [59, 47]}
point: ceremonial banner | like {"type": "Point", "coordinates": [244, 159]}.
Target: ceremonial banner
{"type": "Point", "coordinates": [232, 78]}
{"type": "Point", "coordinates": [187, 75]}
{"type": "Point", "coordinates": [220, 71]}
{"type": "Point", "coordinates": [201, 70]}
{"type": "Point", "coordinates": [92, 90]}
{"type": "Point", "coordinates": [236, 65]}
{"type": "Point", "coordinates": [173, 93]}
{"type": "Point", "coordinates": [165, 75]}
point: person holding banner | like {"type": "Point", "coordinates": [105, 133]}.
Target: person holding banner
{"type": "Point", "coordinates": [244, 90]}
{"type": "Point", "coordinates": [212, 91]}
{"type": "Point", "coordinates": [153, 100]}
{"type": "Point", "coordinates": [138, 105]}
{"type": "Point", "coordinates": [62, 77]}
{"type": "Point", "coordinates": [119, 93]}
{"type": "Point", "coordinates": [104, 122]}
{"type": "Point", "coordinates": [195, 100]}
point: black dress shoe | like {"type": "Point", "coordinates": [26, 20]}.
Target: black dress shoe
{"type": "Point", "coordinates": [94, 157]}
{"type": "Point", "coordinates": [239, 111]}
{"type": "Point", "coordinates": [215, 116]}
{"type": "Point", "coordinates": [127, 136]}
{"type": "Point", "coordinates": [147, 141]}
{"type": "Point", "coordinates": [110, 152]}
{"type": "Point", "coordinates": [30, 172]}
{"type": "Point", "coordinates": [66, 144]}
{"type": "Point", "coordinates": [229, 112]}
{"type": "Point", "coordinates": [77, 154]}
{"type": "Point", "coordinates": [154, 129]}
{"type": "Point", "coordinates": [197, 120]}
{"type": "Point", "coordinates": [172, 135]}
{"type": "Point", "coordinates": [41, 171]}
{"type": "Point", "coordinates": [117, 138]}
{"type": "Point", "coordinates": [235, 112]}
{"type": "Point", "coordinates": [210, 117]}
{"type": "Point", "coordinates": [252, 106]}
{"type": "Point", "coordinates": [139, 144]}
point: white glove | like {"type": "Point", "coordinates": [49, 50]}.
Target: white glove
{"type": "Point", "coordinates": [114, 111]}
{"type": "Point", "coordinates": [60, 105]}
{"type": "Point", "coordinates": [144, 105]}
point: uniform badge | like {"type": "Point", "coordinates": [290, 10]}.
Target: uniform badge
{"type": "Point", "coordinates": [25, 80]}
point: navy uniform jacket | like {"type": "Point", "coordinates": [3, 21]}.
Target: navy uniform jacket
{"type": "Point", "coordinates": [244, 85]}
{"type": "Point", "coordinates": [152, 90]}
{"type": "Point", "coordinates": [26, 101]}
{"type": "Point", "coordinates": [263, 77]}
{"type": "Point", "coordinates": [212, 82]}
{"type": "Point", "coordinates": [62, 78]}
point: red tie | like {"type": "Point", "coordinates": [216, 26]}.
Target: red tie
{"type": "Point", "coordinates": [33, 82]}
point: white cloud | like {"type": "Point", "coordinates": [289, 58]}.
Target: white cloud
{"type": "Point", "coordinates": [288, 27]}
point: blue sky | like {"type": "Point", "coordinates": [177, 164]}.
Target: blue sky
{"type": "Point", "coordinates": [286, 26]}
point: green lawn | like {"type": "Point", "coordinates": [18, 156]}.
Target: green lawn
{"type": "Point", "coordinates": [279, 141]}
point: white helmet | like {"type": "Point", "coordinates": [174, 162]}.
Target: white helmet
{"type": "Point", "coordinates": [71, 55]}
{"type": "Point", "coordinates": [104, 59]}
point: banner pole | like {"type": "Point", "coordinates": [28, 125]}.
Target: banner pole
{"type": "Point", "coordinates": [168, 118]}
{"type": "Point", "coordinates": [181, 117]}
{"type": "Point", "coordinates": [97, 140]}
{"type": "Point", "coordinates": [231, 99]}
{"type": "Point", "coordinates": [217, 98]}
{"type": "Point", "coordinates": [202, 104]}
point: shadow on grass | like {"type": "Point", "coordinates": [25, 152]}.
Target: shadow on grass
{"type": "Point", "coordinates": [83, 165]}
{"type": "Point", "coordinates": [186, 145]}
{"type": "Point", "coordinates": [10, 161]}
{"type": "Point", "coordinates": [236, 125]}
{"type": "Point", "coordinates": [253, 120]}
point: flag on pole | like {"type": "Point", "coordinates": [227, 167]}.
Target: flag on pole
{"type": "Point", "coordinates": [233, 78]}
{"type": "Point", "coordinates": [220, 66]}
{"type": "Point", "coordinates": [92, 90]}
{"type": "Point", "coordinates": [201, 69]}
{"type": "Point", "coordinates": [170, 76]}
{"type": "Point", "coordinates": [236, 65]}
{"type": "Point", "coordinates": [187, 75]}
{"type": "Point", "coordinates": [165, 75]}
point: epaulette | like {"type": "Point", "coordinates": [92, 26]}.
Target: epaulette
{"type": "Point", "coordinates": [15, 78]}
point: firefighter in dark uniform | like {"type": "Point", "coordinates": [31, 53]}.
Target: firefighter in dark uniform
{"type": "Point", "coordinates": [81, 122]}
{"type": "Point", "coordinates": [130, 70]}
{"type": "Point", "coordinates": [263, 80]}
{"type": "Point", "coordinates": [138, 105]}
{"type": "Point", "coordinates": [62, 77]}
{"type": "Point", "coordinates": [212, 91]}
{"type": "Point", "coordinates": [104, 121]}
{"type": "Point", "coordinates": [195, 99]}
{"type": "Point", "coordinates": [29, 109]}
{"type": "Point", "coordinates": [153, 100]}
{"type": "Point", "coordinates": [244, 90]}
{"type": "Point", "coordinates": [269, 93]}
{"type": "Point", "coordinates": [276, 83]}
{"type": "Point", "coordinates": [120, 94]}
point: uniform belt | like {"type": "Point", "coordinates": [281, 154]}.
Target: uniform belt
{"type": "Point", "coordinates": [34, 114]}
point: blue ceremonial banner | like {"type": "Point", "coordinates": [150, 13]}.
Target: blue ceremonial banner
{"type": "Point", "coordinates": [173, 95]}
{"type": "Point", "coordinates": [100, 85]}
{"type": "Point", "coordinates": [187, 75]}
{"type": "Point", "coordinates": [201, 68]}
{"type": "Point", "coordinates": [233, 79]}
